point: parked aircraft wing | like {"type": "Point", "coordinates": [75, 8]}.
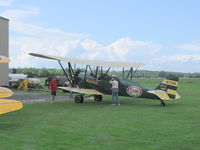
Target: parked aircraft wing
{"type": "Point", "coordinates": [82, 91]}
{"type": "Point", "coordinates": [91, 62]}
{"type": "Point", "coordinates": [4, 92]}
{"type": "Point", "coordinates": [4, 59]}
{"type": "Point", "coordinates": [9, 105]}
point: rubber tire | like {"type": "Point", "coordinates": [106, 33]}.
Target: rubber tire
{"type": "Point", "coordinates": [78, 99]}
{"type": "Point", "coordinates": [64, 91]}
{"type": "Point", "coordinates": [162, 103]}
{"type": "Point", "coordinates": [98, 98]}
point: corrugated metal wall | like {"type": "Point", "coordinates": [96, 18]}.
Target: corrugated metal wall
{"type": "Point", "coordinates": [4, 50]}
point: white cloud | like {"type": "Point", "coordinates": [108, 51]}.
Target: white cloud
{"type": "Point", "coordinates": [126, 46]}
{"type": "Point", "coordinates": [18, 24]}
{"type": "Point", "coordinates": [124, 49]}
{"type": "Point", "coordinates": [5, 2]}
{"type": "Point", "coordinates": [19, 14]}
{"type": "Point", "coordinates": [185, 58]}
{"type": "Point", "coordinates": [192, 46]}
{"type": "Point", "coordinates": [56, 42]}
{"type": "Point", "coordinates": [90, 45]}
{"type": "Point", "coordinates": [84, 49]}
{"type": "Point", "coordinates": [34, 38]}
{"type": "Point", "coordinates": [181, 59]}
{"type": "Point", "coordinates": [178, 63]}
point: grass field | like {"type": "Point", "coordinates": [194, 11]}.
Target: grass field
{"type": "Point", "coordinates": [138, 124]}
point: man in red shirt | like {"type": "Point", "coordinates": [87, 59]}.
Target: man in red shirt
{"type": "Point", "coordinates": [53, 88]}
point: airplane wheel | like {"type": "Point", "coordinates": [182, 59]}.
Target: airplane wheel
{"type": "Point", "coordinates": [64, 91]}
{"type": "Point", "coordinates": [162, 103]}
{"type": "Point", "coordinates": [98, 98]}
{"type": "Point", "coordinates": [78, 99]}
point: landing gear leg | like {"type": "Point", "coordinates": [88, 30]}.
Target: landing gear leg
{"type": "Point", "coordinates": [162, 103]}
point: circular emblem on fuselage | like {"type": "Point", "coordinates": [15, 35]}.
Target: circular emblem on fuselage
{"type": "Point", "coordinates": [134, 91]}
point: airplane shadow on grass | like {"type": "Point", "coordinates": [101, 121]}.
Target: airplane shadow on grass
{"type": "Point", "coordinates": [133, 102]}
{"type": "Point", "coordinates": [9, 126]}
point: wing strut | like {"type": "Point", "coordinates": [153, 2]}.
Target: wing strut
{"type": "Point", "coordinates": [130, 72]}
{"type": "Point", "coordinates": [107, 71]}
{"type": "Point", "coordinates": [101, 70]}
{"type": "Point", "coordinates": [71, 71]}
{"type": "Point", "coordinates": [91, 69]}
{"type": "Point", "coordinates": [123, 72]}
{"type": "Point", "coordinates": [85, 75]}
{"type": "Point", "coordinates": [134, 73]}
{"type": "Point", "coordinates": [96, 72]}
{"type": "Point", "coordinates": [65, 74]}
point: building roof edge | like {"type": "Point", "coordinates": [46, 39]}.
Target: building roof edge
{"type": "Point", "coordinates": [4, 18]}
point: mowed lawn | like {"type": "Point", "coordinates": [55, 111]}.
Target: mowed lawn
{"type": "Point", "coordinates": [138, 124]}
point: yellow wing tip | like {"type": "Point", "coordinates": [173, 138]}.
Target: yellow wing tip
{"type": "Point", "coordinates": [7, 106]}
{"type": "Point", "coordinates": [4, 59]}
{"type": "Point", "coordinates": [5, 92]}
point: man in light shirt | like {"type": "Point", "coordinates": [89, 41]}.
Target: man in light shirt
{"type": "Point", "coordinates": [115, 91]}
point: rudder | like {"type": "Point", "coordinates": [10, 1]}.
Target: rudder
{"type": "Point", "coordinates": [170, 85]}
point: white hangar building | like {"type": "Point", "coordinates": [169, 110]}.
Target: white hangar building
{"type": "Point", "coordinates": [4, 38]}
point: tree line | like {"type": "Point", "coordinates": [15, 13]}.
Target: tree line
{"type": "Point", "coordinates": [44, 72]}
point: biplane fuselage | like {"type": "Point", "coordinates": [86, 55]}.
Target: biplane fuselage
{"type": "Point", "coordinates": [126, 87]}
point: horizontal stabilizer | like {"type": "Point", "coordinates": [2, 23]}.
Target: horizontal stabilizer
{"type": "Point", "coordinates": [9, 105]}
{"type": "Point", "coordinates": [82, 91]}
{"type": "Point", "coordinates": [91, 62]}
{"type": "Point", "coordinates": [163, 95]}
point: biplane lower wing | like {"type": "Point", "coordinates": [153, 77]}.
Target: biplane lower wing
{"type": "Point", "coordinates": [81, 91]}
{"type": "Point", "coordinates": [9, 105]}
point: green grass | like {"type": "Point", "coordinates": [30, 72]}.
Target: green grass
{"type": "Point", "coordinates": [138, 124]}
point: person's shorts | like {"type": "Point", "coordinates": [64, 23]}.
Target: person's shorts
{"type": "Point", "coordinates": [53, 93]}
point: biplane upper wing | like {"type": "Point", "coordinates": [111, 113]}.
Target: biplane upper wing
{"type": "Point", "coordinates": [81, 90]}
{"type": "Point", "coordinates": [4, 59]}
{"type": "Point", "coordinates": [91, 62]}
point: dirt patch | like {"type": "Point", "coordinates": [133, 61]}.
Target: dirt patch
{"type": "Point", "coordinates": [32, 97]}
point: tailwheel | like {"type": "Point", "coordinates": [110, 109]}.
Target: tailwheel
{"type": "Point", "coordinates": [78, 99]}
{"type": "Point", "coordinates": [98, 98]}
{"type": "Point", "coordinates": [162, 103]}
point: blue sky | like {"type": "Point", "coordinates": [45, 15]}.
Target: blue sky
{"type": "Point", "coordinates": [164, 35]}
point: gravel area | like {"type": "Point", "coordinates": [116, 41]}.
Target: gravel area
{"type": "Point", "coordinates": [33, 97]}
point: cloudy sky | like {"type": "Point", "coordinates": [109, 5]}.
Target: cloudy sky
{"type": "Point", "coordinates": [164, 35]}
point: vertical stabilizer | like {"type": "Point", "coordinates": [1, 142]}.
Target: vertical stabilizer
{"type": "Point", "coordinates": [169, 85]}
